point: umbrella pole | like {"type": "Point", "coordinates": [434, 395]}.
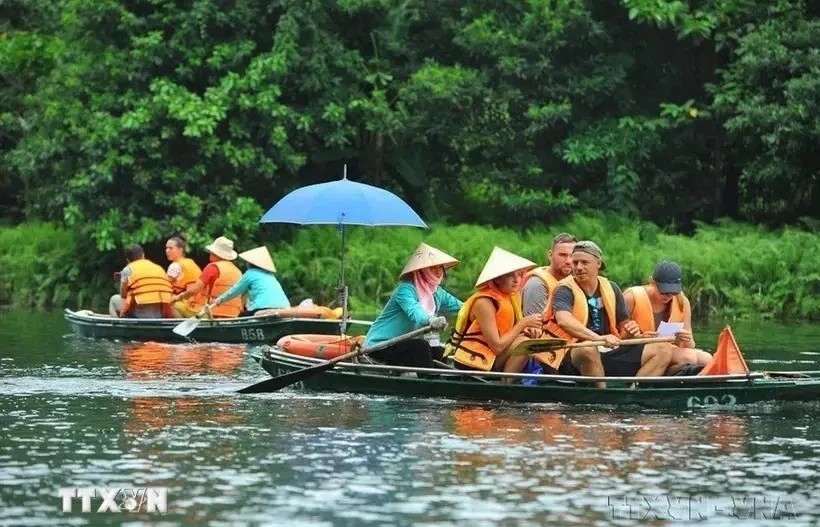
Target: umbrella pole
{"type": "Point", "coordinates": [343, 287]}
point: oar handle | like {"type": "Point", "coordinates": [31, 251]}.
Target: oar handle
{"type": "Point", "coordinates": [624, 342]}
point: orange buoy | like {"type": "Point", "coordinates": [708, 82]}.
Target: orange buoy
{"type": "Point", "coordinates": [318, 346]}
{"type": "Point", "coordinates": [303, 312]}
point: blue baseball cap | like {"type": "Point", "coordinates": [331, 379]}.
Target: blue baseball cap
{"type": "Point", "coordinates": [668, 276]}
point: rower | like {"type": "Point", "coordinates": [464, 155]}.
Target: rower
{"type": "Point", "coordinates": [217, 277]}
{"type": "Point", "coordinates": [417, 301]}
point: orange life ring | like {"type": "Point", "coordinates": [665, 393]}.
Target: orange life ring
{"type": "Point", "coordinates": [303, 312]}
{"type": "Point", "coordinates": [318, 346]}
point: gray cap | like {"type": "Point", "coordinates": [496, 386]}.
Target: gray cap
{"type": "Point", "coordinates": [592, 248]}
{"type": "Point", "coordinates": [668, 277]}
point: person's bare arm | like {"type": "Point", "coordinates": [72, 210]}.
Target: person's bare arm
{"type": "Point", "coordinates": [484, 311]}
{"type": "Point", "coordinates": [573, 326]}
{"type": "Point", "coordinates": [629, 300]}
{"type": "Point", "coordinates": [685, 338]}
{"type": "Point", "coordinates": [192, 290]}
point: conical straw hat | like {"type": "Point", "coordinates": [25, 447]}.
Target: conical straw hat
{"type": "Point", "coordinates": [427, 256]}
{"type": "Point", "coordinates": [260, 257]}
{"type": "Point", "coordinates": [500, 263]}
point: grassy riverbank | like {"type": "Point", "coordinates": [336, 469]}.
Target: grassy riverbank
{"type": "Point", "coordinates": [730, 270]}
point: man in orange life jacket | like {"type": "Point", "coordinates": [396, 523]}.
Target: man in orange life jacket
{"type": "Point", "coordinates": [145, 291]}
{"type": "Point", "coordinates": [540, 282]}
{"type": "Point", "coordinates": [662, 299]}
{"type": "Point", "coordinates": [586, 306]}
{"type": "Point", "coordinates": [216, 278]}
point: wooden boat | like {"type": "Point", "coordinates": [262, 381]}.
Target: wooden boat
{"type": "Point", "coordinates": [230, 330]}
{"type": "Point", "coordinates": [718, 392]}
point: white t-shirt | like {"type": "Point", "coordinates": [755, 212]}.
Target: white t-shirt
{"type": "Point", "coordinates": [174, 271]}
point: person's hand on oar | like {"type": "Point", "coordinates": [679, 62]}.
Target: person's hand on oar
{"type": "Point", "coordinates": [528, 347]}
{"type": "Point", "coordinates": [611, 341]}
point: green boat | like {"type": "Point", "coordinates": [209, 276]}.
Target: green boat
{"type": "Point", "coordinates": [229, 330]}
{"type": "Point", "coordinates": [669, 393]}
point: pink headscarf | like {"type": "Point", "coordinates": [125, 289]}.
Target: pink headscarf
{"type": "Point", "coordinates": [426, 282]}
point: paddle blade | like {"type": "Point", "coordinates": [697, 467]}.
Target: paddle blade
{"type": "Point", "coordinates": [531, 346]}
{"type": "Point", "coordinates": [282, 381]}
{"type": "Point", "coordinates": [184, 328]}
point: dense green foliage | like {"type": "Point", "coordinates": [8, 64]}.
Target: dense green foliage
{"type": "Point", "coordinates": [40, 266]}
{"type": "Point", "coordinates": [133, 119]}
{"type": "Point", "coordinates": [730, 270]}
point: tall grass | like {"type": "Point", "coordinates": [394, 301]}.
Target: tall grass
{"type": "Point", "coordinates": [730, 270]}
{"type": "Point", "coordinates": [40, 267]}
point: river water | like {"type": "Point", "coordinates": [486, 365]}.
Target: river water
{"type": "Point", "coordinates": [137, 418]}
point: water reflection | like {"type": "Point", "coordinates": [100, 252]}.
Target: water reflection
{"type": "Point", "coordinates": [145, 360]}
{"type": "Point", "coordinates": [150, 360]}
{"type": "Point", "coordinates": [76, 412]}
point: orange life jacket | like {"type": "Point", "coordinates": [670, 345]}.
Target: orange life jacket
{"type": "Point", "coordinates": [643, 314]}
{"type": "Point", "coordinates": [148, 284]}
{"type": "Point", "coordinates": [190, 274]}
{"type": "Point", "coordinates": [229, 274]}
{"type": "Point", "coordinates": [467, 343]}
{"type": "Point", "coordinates": [545, 276]}
{"type": "Point", "coordinates": [580, 310]}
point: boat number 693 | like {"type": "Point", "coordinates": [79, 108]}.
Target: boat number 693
{"type": "Point", "coordinates": [708, 401]}
{"type": "Point", "coordinates": [252, 334]}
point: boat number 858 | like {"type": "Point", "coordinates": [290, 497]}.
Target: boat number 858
{"type": "Point", "coordinates": [711, 400]}
{"type": "Point", "coordinates": [252, 334]}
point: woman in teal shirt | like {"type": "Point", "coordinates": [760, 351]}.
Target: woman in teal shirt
{"type": "Point", "coordinates": [418, 301]}
{"type": "Point", "coordinates": [258, 283]}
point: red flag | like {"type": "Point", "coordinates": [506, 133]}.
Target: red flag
{"type": "Point", "coordinates": [727, 358]}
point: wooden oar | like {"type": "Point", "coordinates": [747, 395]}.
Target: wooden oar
{"type": "Point", "coordinates": [277, 383]}
{"type": "Point", "coordinates": [528, 347]}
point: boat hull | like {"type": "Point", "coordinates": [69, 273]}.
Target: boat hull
{"type": "Point", "coordinates": [233, 330]}
{"type": "Point", "coordinates": [679, 396]}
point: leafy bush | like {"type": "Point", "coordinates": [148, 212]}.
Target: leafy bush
{"type": "Point", "coordinates": [731, 270]}
{"type": "Point", "coordinates": [40, 267]}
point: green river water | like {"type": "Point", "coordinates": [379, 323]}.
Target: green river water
{"type": "Point", "coordinates": [80, 414]}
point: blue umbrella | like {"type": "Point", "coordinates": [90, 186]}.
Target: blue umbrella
{"type": "Point", "coordinates": [341, 203]}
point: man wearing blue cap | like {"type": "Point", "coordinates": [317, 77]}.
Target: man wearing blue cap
{"type": "Point", "coordinates": [662, 300]}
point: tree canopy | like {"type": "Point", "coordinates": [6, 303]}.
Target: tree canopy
{"type": "Point", "coordinates": [131, 120]}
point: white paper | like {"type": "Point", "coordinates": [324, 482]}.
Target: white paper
{"type": "Point", "coordinates": [669, 329]}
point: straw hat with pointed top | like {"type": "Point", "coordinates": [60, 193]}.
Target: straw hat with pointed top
{"type": "Point", "coordinates": [427, 256]}
{"type": "Point", "coordinates": [502, 262]}
{"type": "Point", "coordinates": [260, 257]}
{"type": "Point", "coordinates": [222, 247]}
